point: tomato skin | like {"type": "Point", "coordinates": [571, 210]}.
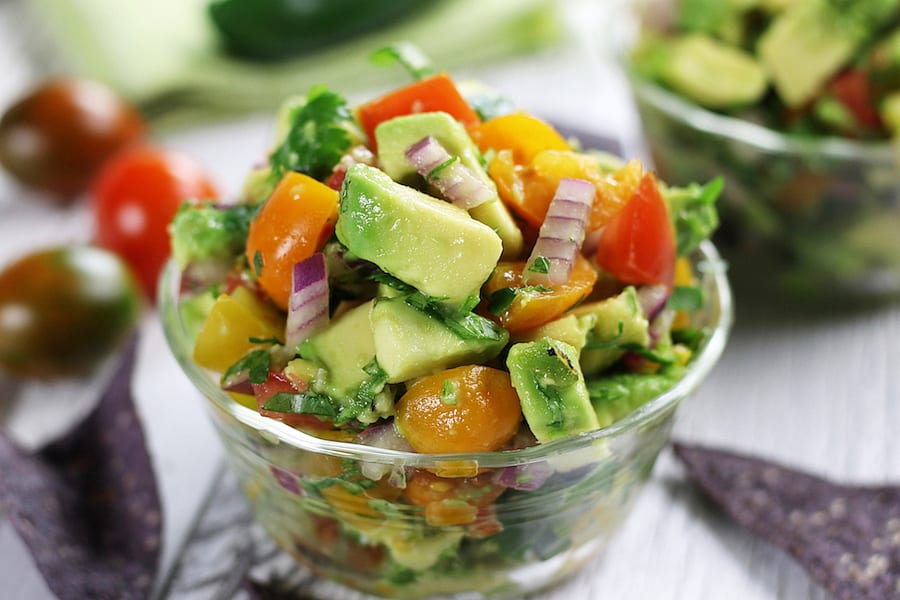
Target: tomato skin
{"type": "Point", "coordinates": [532, 309]}
{"type": "Point", "coordinates": [56, 137]}
{"type": "Point", "coordinates": [62, 310]}
{"type": "Point", "coordinates": [465, 409]}
{"type": "Point", "coordinates": [637, 246]}
{"type": "Point", "coordinates": [133, 200]}
{"type": "Point", "coordinates": [294, 223]}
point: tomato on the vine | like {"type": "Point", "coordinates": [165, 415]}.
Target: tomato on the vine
{"type": "Point", "coordinates": [637, 246]}
{"type": "Point", "coordinates": [135, 196]}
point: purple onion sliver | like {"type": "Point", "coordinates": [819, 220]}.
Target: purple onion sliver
{"type": "Point", "coordinates": [453, 179]}
{"type": "Point", "coordinates": [308, 302]}
{"type": "Point", "coordinates": [384, 435]}
{"type": "Point", "coordinates": [525, 478]}
{"type": "Point", "coordinates": [652, 299]}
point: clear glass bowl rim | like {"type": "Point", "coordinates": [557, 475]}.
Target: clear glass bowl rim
{"type": "Point", "coordinates": [274, 431]}
{"type": "Point", "coordinates": [758, 136]}
{"type": "Point", "coordinates": [616, 42]}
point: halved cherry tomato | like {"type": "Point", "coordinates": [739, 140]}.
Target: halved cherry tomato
{"type": "Point", "coordinates": [134, 198]}
{"type": "Point", "coordinates": [466, 409]}
{"type": "Point", "coordinates": [533, 306]}
{"type": "Point", "coordinates": [852, 89]}
{"type": "Point", "coordinates": [638, 245]}
{"type": "Point", "coordinates": [293, 224]}
{"type": "Point", "coordinates": [432, 94]}
{"type": "Point", "coordinates": [521, 133]}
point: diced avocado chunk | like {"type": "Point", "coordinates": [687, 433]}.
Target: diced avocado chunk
{"type": "Point", "coordinates": [572, 329]}
{"type": "Point", "coordinates": [616, 395]}
{"type": "Point", "coordinates": [811, 41]}
{"type": "Point", "coordinates": [394, 136]}
{"type": "Point", "coordinates": [551, 389]}
{"type": "Point", "coordinates": [619, 320]}
{"type": "Point", "coordinates": [410, 343]}
{"type": "Point", "coordinates": [712, 73]}
{"type": "Point", "coordinates": [344, 348]}
{"type": "Point", "coordinates": [429, 244]}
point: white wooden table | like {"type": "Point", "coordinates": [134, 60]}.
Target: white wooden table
{"type": "Point", "coordinates": [817, 393]}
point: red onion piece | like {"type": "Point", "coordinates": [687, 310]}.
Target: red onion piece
{"type": "Point", "coordinates": [562, 233]}
{"type": "Point", "coordinates": [308, 302]}
{"type": "Point", "coordinates": [453, 179]}
{"type": "Point", "coordinates": [384, 435]}
{"type": "Point", "coordinates": [524, 477]}
{"type": "Point", "coordinates": [652, 299]}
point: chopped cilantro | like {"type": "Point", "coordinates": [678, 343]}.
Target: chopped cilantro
{"type": "Point", "coordinates": [255, 363]}
{"type": "Point", "coordinates": [408, 55]}
{"type": "Point", "coordinates": [436, 172]}
{"type": "Point", "coordinates": [461, 321]}
{"type": "Point", "coordinates": [500, 300]}
{"type": "Point", "coordinates": [540, 264]}
{"type": "Point", "coordinates": [391, 282]}
{"type": "Point", "coordinates": [317, 137]}
{"type": "Point", "coordinates": [449, 391]}
{"type": "Point", "coordinates": [306, 403]}
{"type": "Point", "coordinates": [689, 298]}
{"type": "Point", "coordinates": [258, 263]}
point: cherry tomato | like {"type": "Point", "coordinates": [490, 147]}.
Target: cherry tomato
{"type": "Point", "coordinates": [637, 246]}
{"type": "Point", "coordinates": [135, 196]}
{"type": "Point", "coordinates": [466, 409]}
{"type": "Point", "coordinates": [64, 309]}
{"type": "Point", "coordinates": [57, 137]}
{"type": "Point", "coordinates": [532, 307]}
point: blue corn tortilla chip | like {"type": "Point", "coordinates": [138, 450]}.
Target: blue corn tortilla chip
{"type": "Point", "coordinates": [846, 537]}
{"type": "Point", "coordinates": [87, 505]}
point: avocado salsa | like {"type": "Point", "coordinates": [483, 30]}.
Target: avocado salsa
{"type": "Point", "coordinates": [435, 272]}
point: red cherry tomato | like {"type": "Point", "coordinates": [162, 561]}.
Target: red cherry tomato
{"type": "Point", "coordinates": [637, 246]}
{"type": "Point", "coordinates": [57, 137]}
{"type": "Point", "coordinates": [135, 196]}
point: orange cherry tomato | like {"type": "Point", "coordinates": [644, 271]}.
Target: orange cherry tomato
{"type": "Point", "coordinates": [466, 409]}
{"type": "Point", "coordinates": [638, 245]}
{"type": "Point", "coordinates": [533, 306]}
{"type": "Point", "coordinates": [293, 224]}
{"type": "Point", "coordinates": [523, 134]}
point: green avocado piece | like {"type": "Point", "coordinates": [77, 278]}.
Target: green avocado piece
{"type": "Point", "coordinates": [427, 243]}
{"type": "Point", "coordinates": [395, 135]}
{"type": "Point", "coordinates": [811, 41]}
{"type": "Point", "coordinates": [572, 329]}
{"type": "Point", "coordinates": [551, 389]}
{"type": "Point", "coordinates": [615, 396]}
{"type": "Point", "coordinates": [410, 343]}
{"type": "Point", "coordinates": [344, 348]}
{"type": "Point", "coordinates": [619, 320]}
{"type": "Point", "coordinates": [713, 74]}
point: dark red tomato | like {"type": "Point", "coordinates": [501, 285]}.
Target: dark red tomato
{"type": "Point", "coordinates": [279, 382]}
{"type": "Point", "coordinates": [637, 246]}
{"type": "Point", "coordinates": [134, 198]}
{"type": "Point", "coordinates": [853, 90]}
{"type": "Point", "coordinates": [63, 310]}
{"type": "Point", "coordinates": [55, 138]}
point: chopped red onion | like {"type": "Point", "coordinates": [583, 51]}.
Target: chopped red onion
{"type": "Point", "coordinates": [652, 299]}
{"type": "Point", "coordinates": [524, 477]}
{"type": "Point", "coordinates": [308, 302]}
{"type": "Point", "coordinates": [453, 179]}
{"type": "Point", "coordinates": [384, 435]}
{"type": "Point", "coordinates": [562, 233]}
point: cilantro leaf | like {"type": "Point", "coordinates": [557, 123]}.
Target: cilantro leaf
{"type": "Point", "coordinates": [307, 403]}
{"type": "Point", "coordinates": [408, 55]}
{"type": "Point", "coordinates": [686, 297]}
{"type": "Point", "coordinates": [255, 363]}
{"type": "Point", "coordinates": [694, 213]}
{"type": "Point", "coordinates": [317, 137]}
{"type": "Point", "coordinates": [464, 323]}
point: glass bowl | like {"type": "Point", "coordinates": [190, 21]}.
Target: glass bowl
{"type": "Point", "coordinates": [339, 508]}
{"type": "Point", "coordinates": [810, 219]}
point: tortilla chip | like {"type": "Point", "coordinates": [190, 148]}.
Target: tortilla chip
{"type": "Point", "coordinates": [87, 505]}
{"type": "Point", "coordinates": [846, 537]}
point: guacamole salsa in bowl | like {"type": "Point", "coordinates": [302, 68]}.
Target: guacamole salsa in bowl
{"type": "Point", "coordinates": [442, 344]}
{"type": "Point", "coordinates": [797, 106]}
